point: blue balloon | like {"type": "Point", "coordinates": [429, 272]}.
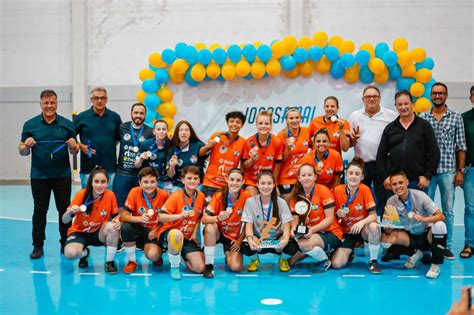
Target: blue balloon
{"type": "Point", "coordinates": [288, 63]}
{"type": "Point", "coordinates": [220, 78]}
{"type": "Point", "coordinates": [204, 56]}
{"type": "Point", "coordinates": [405, 83]}
{"type": "Point", "coordinates": [315, 53]}
{"type": "Point", "coordinates": [337, 71]}
{"type": "Point", "coordinates": [151, 101]}
{"type": "Point", "coordinates": [248, 76]}
{"type": "Point", "coordinates": [190, 80]}
{"type": "Point", "coordinates": [150, 115]}
{"type": "Point", "coordinates": [168, 56]}
{"type": "Point", "coordinates": [152, 68]}
{"type": "Point", "coordinates": [161, 76]}
{"type": "Point", "coordinates": [347, 60]}
{"type": "Point", "coordinates": [180, 49]}
{"type": "Point", "coordinates": [363, 57]}
{"type": "Point", "coordinates": [366, 76]}
{"type": "Point", "coordinates": [219, 55]}
{"type": "Point", "coordinates": [332, 53]}
{"type": "Point", "coordinates": [191, 55]}
{"type": "Point", "coordinates": [300, 55]}
{"type": "Point", "coordinates": [249, 53]}
{"type": "Point", "coordinates": [234, 52]}
{"type": "Point", "coordinates": [380, 49]}
{"type": "Point", "coordinates": [264, 53]}
{"type": "Point", "coordinates": [390, 58]}
{"type": "Point", "coordinates": [428, 63]}
{"type": "Point", "coordinates": [394, 72]}
{"type": "Point", "coordinates": [150, 86]}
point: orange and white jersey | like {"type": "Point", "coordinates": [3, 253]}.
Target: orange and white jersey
{"type": "Point", "coordinates": [331, 165]}
{"type": "Point", "coordinates": [137, 205]}
{"type": "Point", "coordinates": [333, 129]}
{"type": "Point", "coordinates": [289, 167]}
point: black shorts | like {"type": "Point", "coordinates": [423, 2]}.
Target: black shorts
{"type": "Point", "coordinates": [226, 242]}
{"type": "Point", "coordinates": [188, 246]}
{"type": "Point", "coordinates": [420, 241]}
{"type": "Point", "coordinates": [349, 241]}
{"type": "Point", "coordinates": [331, 242]}
{"type": "Point", "coordinates": [290, 249]}
{"type": "Point", "coordinates": [134, 232]}
{"type": "Point", "coordinates": [285, 189]}
{"type": "Point", "coordinates": [86, 239]}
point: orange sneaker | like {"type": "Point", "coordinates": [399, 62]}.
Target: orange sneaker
{"type": "Point", "coordinates": [130, 267]}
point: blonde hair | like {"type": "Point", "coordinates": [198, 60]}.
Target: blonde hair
{"type": "Point", "coordinates": [291, 109]}
{"type": "Point", "coordinates": [267, 113]}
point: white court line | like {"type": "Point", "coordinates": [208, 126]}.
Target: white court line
{"type": "Point", "coordinates": [2, 270]}
{"type": "Point", "coordinates": [408, 276]}
{"type": "Point", "coordinates": [141, 274]}
{"type": "Point", "coordinates": [462, 277]}
{"type": "Point", "coordinates": [354, 276]}
{"type": "Point", "coordinates": [300, 276]}
{"type": "Point", "coordinates": [40, 272]}
{"type": "Point", "coordinates": [25, 219]}
{"type": "Point", "coordinates": [243, 275]}
{"type": "Point", "coordinates": [191, 275]}
{"type": "Point", "coordinates": [89, 273]}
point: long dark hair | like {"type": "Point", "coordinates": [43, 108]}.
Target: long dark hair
{"type": "Point", "coordinates": [298, 189]}
{"type": "Point", "coordinates": [96, 170]}
{"type": "Point", "coordinates": [225, 189]}
{"type": "Point", "coordinates": [274, 195]}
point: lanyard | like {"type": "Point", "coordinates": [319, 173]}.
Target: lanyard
{"type": "Point", "coordinates": [290, 134]}
{"type": "Point", "coordinates": [90, 200]}
{"type": "Point", "coordinates": [349, 197]}
{"type": "Point", "coordinates": [258, 143]}
{"type": "Point", "coordinates": [231, 203]}
{"type": "Point", "coordinates": [311, 195]}
{"type": "Point", "coordinates": [409, 205]}
{"type": "Point", "coordinates": [270, 207]}
{"type": "Point", "coordinates": [63, 144]}
{"type": "Point", "coordinates": [178, 150]}
{"type": "Point", "coordinates": [186, 200]}
{"type": "Point", "coordinates": [89, 148]}
{"type": "Point", "coordinates": [148, 203]}
{"type": "Point", "coordinates": [325, 156]}
{"type": "Point", "coordinates": [227, 134]}
{"type": "Point", "coordinates": [136, 140]}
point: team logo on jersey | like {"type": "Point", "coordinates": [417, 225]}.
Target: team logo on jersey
{"type": "Point", "coordinates": [193, 159]}
{"type": "Point", "coordinates": [358, 207]}
{"type": "Point", "coordinates": [85, 223]}
{"type": "Point", "coordinates": [127, 137]}
{"type": "Point", "coordinates": [330, 171]}
{"type": "Point", "coordinates": [103, 213]}
{"type": "Point", "coordinates": [141, 139]}
{"type": "Point", "coordinates": [223, 149]}
{"type": "Point", "coordinates": [180, 162]}
{"type": "Point", "coordinates": [258, 217]}
{"type": "Point", "coordinates": [239, 212]}
{"type": "Point", "coordinates": [335, 134]}
{"type": "Point", "coordinates": [305, 143]}
{"type": "Point", "coordinates": [236, 153]}
{"type": "Point", "coordinates": [153, 156]}
{"type": "Point", "coordinates": [314, 207]}
{"type": "Point", "coordinates": [141, 210]}
{"type": "Point", "coordinates": [270, 157]}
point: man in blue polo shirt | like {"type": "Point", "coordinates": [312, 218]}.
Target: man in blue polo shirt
{"type": "Point", "coordinates": [47, 137]}
{"type": "Point", "coordinates": [99, 130]}
{"type": "Point", "coordinates": [132, 134]}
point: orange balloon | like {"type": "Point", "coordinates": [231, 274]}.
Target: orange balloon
{"type": "Point", "coordinates": [404, 58]}
{"type": "Point", "coordinates": [324, 65]}
{"type": "Point", "coordinates": [228, 71]}
{"type": "Point", "coordinates": [423, 75]}
{"type": "Point", "coordinates": [278, 49]}
{"type": "Point", "coordinates": [155, 60]}
{"type": "Point", "coordinates": [257, 70]}
{"type": "Point", "coordinates": [381, 77]}
{"type": "Point", "coordinates": [418, 54]}
{"type": "Point", "coordinates": [305, 42]}
{"type": "Point", "coordinates": [165, 95]}
{"type": "Point", "coordinates": [320, 39]}
{"type": "Point", "coordinates": [417, 89]}
{"type": "Point", "coordinates": [305, 69]}
{"type": "Point", "coordinates": [409, 71]}
{"type": "Point", "coordinates": [166, 110]}
{"type": "Point", "coordinates": [369, 47]}
{"type": "Point", "coordinates": [213, 70]}
{"type": "Point", "coordinates": [170, 123]}
{"type": "Point", "coordinates": [347, 46]}
{"type": "Point", "coordinates": [422, 104]}
{"type": "Point", "coordinates": [141, 96]}
{"type": "Point", "coordinates": [376, 65]}
{"type": "Point", "coordinates": [242, 68]}
{"type": "Point", "coordinates": [293, 73]}
{"type": "Point", "coordinates": [290, 44]}
{"type": "Point", "coordinates": [273, 67]}
{"type": "Point", "coordinates": [400, 44]}
{"type": "Point", "coordinates": [352, 74]}
{"type": "Point", "coordinates": [335, 41]}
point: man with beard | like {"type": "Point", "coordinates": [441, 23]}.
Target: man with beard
{"type": "Point", "coordinates": [132, 133]}
{"type": "Point", "coordinates": [449, 130]}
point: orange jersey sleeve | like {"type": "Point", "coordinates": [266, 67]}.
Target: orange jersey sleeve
{"type": "Point", "coordinates": [225, 155]}
{"type": "Point", "coordinates": [137, 205]}
{"type": "Point", "coordinates": [290, 165]}
{"type": "Point", "coordinates": [267, 156]}
{"type": "Point", "coordinates": [100, 213]}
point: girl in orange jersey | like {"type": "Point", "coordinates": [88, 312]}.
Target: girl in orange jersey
{"type": "Point", "coordinates": [312, 205]}
{"type": "Point", "coordinates": [357, 216]}
{"type": "Point", "coordinates": [223, 223]}
{"type": "Point", "coordinates": [296, 142]}
{"type": "Point", "coordinates": [90, 211]}
{"type": "Point", "coordinates": [328, 162]}
{"type": "Point", "coordinates": [262, 151]}
{"type": "Point", "coordinates": [181, 215]}
{"type": "Point", "coordinates": [338, 128]}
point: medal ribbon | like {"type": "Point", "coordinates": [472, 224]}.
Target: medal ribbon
{"type": "Point", "coordinates": [270, 207]}
{"type": "Point", "coordinates": [136, 140]}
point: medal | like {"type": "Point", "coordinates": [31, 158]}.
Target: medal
{"type": "Point", "coordinates": [136, 140]}
{"type": "Point", "coordinates": [229, 209]}
{"type": "Point", "coordinates": [150, 212]}
{"type": "Point", "coordinates": [345, 209]}
{"type": "Point", "coordinates": [410, 215]}
{"type": "Point", "coordinates": [88, 202]}
{"type": "Point", "coordinates": [334, 118]}
{"type": "Point", "coordinates": [148, 154]}
{"type": "Point", "coordinates": [135, 149]}
{"type": "Point", "coordinates": [217, 139]}
{"type": "Point", "coordinates": [320, 164]}
{"type": "Point", "coordinates": [83, 208]}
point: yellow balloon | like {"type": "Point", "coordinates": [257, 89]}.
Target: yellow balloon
{"type": "Point", "coordinates": [409, 71]}
{"type": "Point", "coordinates": [170, 123]}
{"type": "Point", "coordinates": [214, 46]}
{"type": "Point", "coordinates": [165, 95]}
{"type": "Point", "coordinates": [324, 65]}
{"type": "Point", "coordinates": [381, 77]}
{"type": "Point", "coordinates": [417, 89]}
{"type": "Point", "coordinates": [305, 42]}
{"type": "Point", "coordinates": [376, 65]}
{"type": "Point", "coordinates": [141, 96]}
{"type": "Point", "coordinates": [369, 47]}
{"type": "Point", "coordinates": [273, 67]}
{"type": "Point", "coordinates": [146, 74]}
{"type": "Point", "coordinates": [278, 49]}
{"type": "Point", "coordinates": [335, 41]}
{"type": "Point", "coordinates": [290, 44]}
{"type": "Point", "coordinates": [418, 54]}
{"type": "Point", "coordinates": [352, 74]}
{"type": "Point", "coordinates": [228, 71]}
{"type": "Point", "coordinates": [293, 73]}
{"type": "Point", "coordinates": [404, 58]}
{"type": "Point", "coordinates": [198, 72]}
{"type": "Point", "coordinates": [213, 70]}
{"type": "Point", "coordinates": [423, 75]}
{"type": "Point", "coordinates": [422, 104]}
{"type": "Point", "coordinates": [305, 69]}
{"type": "Point", "coordinates": [199, 46]}
{"type": "Point", "coordinates": [242, 68]}
{"type": "Point", "coordinates": [257, 70]}
{"type": "Point", "coordinates": [347, 46]}
{"type": "Point", "coordinates": [180, 66]}
{"type": "Point", "coordinates": [320, 39]}
{"type": "Point", "coordinates": [176, 77]}
{"type": "Point", "coordinates": [155, 60]}
{"type": "Point", "coordinates": [166, 110]}
{"type": "Point", "coordinates": [400, 44]}
{"type": "Point", "coordinates": [257, 44]}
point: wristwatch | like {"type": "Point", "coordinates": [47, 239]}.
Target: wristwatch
{"type": "Point", "coordinates": [462, 170]}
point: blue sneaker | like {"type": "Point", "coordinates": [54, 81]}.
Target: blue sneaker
{"type": "Point", "coordinates": [322, 266]}
{"type": "Point", "coordinates": [175, 273]}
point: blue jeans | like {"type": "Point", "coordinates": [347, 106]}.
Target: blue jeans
{"type": "Point", "coordinates": [469, 207]}
{"type": "Point", "coordinates": [85, 178]}
{"type": "Point", "coordinates": [122, 186]}
{"type": "Point", "coordinates": [446, 189]}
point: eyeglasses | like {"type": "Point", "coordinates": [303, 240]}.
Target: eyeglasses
{"type": "Point", "coordinates": [98, 98]}
{"type": "Point", "coordinates": [367, 97]}
{"type": "Point", "coordinates": [438, 93]}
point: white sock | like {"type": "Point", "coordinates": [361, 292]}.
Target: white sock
{"type": "Point", "coordinates": [209, 254]}
{"type": "Point", "coordinates": [84, 252]}
{"type": "Point", "coordinates": [111, 251]}
{"type": "Point", "coordinates": [374, 251]}
{"type": "Point", "coordinates": [131, 253]}
{"type": "Point", "coordinates": [318, 254]}
{"type": "Point", "coordinates": [174, 260]}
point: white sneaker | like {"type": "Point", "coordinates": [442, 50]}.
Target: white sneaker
{"type": "Point", "coordinates": [434, 271]}
{"type": "Point", "coordinates": [413, 259]}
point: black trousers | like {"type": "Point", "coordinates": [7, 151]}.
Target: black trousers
{"type": "Point", "coordinates": [374, 181]}
{"type": "Point", "coordinates": [41, 190]}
